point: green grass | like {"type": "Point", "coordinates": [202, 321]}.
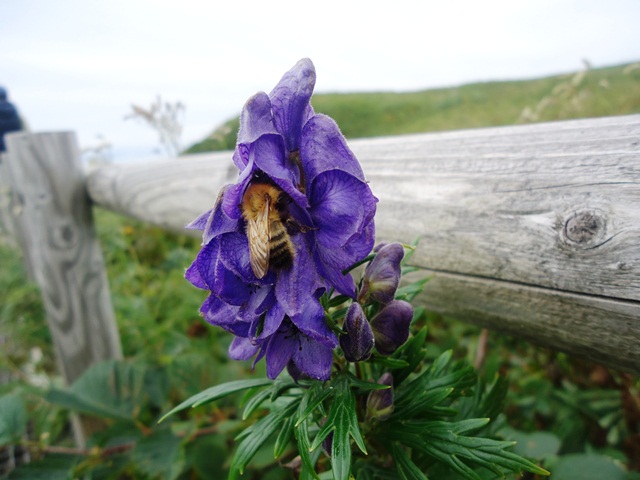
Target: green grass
{"type": "Point", "coordinates": [592, 93]}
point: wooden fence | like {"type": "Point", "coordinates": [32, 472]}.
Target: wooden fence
{"type": "Point", "coordinates": [530, 230]}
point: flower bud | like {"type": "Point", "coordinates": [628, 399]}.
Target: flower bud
{"type": "Point", "coordinates": [357, 343]}
{"type": "Point", "coordinates": [380, 402]}
{"type": "Point", "coordinates": [391, 326]}
{"type": "Point", "coordinates": [382, 275]}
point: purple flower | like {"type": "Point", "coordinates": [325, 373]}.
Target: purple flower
{"type": "Point", "coordinates": [382, 275]}
{"type": "Point", "coordinates": [391, 326]}
{"type": "Point", "coordinates": [357, 342]}
{"type": "Point", "coordinates": [311, 213]}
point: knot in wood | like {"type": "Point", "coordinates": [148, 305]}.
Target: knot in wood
{"type": "Point", "coordinates": [585, 227]}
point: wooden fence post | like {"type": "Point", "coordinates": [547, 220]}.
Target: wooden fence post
{"type": "Point", "coordinates": [59, 239]}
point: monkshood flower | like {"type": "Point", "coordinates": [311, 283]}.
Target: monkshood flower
{"type": "Point", "coordinates": [357, 343]}
{"type": "Point", "coordinates": [391, 326]}
{"type": "Point", "coordinates": [300, 213]}
{"type": "Point", "coordinates": [382, 275]}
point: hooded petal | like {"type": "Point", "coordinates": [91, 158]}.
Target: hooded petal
{"type": "Point", "coordinates": [311, 321]}
{"type": "Point", "coordinates": [290, 101]}
{"type": "Point", "coordinates": [256, 119]}
{"type": "Point", "coordinates": [217, 312]}
{"type": "Point", "coordinates": [218, 278]}
{"type": "Point", "coordinates": [219, 222]}
{"type": "Point", "coordinates": [323, 148]}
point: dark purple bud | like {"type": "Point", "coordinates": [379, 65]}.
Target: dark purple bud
{"type": "Point", "coordinates": [382, 275]}
{"type": "Point", "coordinates": [358, 341]}
{"type": "Point", "coordinates": [380, 402]}
{"type": "Point", "coordinates": [391, 326]}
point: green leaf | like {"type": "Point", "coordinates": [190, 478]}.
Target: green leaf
{"type": "Point", "coordinates": [284, 437]}
{"type": "Point", "coordinates": [51, 467]}
{"type": "Point", "coordinates": [301, 431]}
{"type": "Point", "coordinates": [254, 437]}
{"type": "Point", "coordinates": [413, 352]}
{"type": "Point", "coordinates": [13, 419]}
{"type": "Point", "coordinates": [312, 398]}
{"type": "Point", "coordinates": [343, 422]}
{"type": "Point", "coordinates": [255, 401]}
{"type": "Point", "coordinates": [443, 441]}
{"type": "Point", "coordinates": [217, 392]}
{"type": "Point", "coordinates": [159, 455]}
{"type": "Point", "coordinates": [407, 470]}
{"type": "Point", "coordinates": [536, 445]}
{"type": "Point", "coordinates": [111, 389]}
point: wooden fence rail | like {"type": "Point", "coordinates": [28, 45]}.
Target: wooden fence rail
{"type": "Point", "coordinates": [532, 230]}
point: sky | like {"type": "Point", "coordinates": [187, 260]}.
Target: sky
{"type": "Point", "coordinates": [80, 64]}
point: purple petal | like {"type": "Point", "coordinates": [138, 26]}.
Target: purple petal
{"type": "Point", "coordinates": [340, 207]}
{"type": "Point", "coordinates": [200, 222]}
{"type": "Point", "coordinates": [280, 349]}
{"type": "Point", "coordinates": [297, 285]}
{"type": "Point", "coordinates": [313, 359]}
{"type": "Point", "coordinates": [218, 222]}
{"type": "Point", "coordinates": [358, 247]}
{"type": "Point", "coordinates": [391, 326]}
{"type": "Point", "coordinates": [344, 284]}
{"type": "Point", "coordinates": [324, 148]}
{"type": "Point", "coordinates": [382, 275]}
{"type": "Point", "coordinates": [242, 349]}
{"type": "Point", "coordinates": [290, 101]}
{"type": "Point", "coordinates": [219, 313]}
{"type": "Point", "coordinates": [268, 155]}
{"type": "Point", "coordinates": [193, 275]}
{"type": "Point", "coordinates": [256, 119]}
{"type": "Point", "coordinates": [272, 321]}
{"type": "Point", "coordinates": [311, 321]}
{"type": "Point", "coordinates": [220, 280]}
{"type": "Point", "coordinates": [357, 342]}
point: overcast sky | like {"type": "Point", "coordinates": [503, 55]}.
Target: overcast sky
{"type": "Point", "coordinates": [78, 65]}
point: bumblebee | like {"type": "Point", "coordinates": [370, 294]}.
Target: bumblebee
{"type": "Point", "coordinates": [264, 208]}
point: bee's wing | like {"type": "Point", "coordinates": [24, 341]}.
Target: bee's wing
{"type": "Point", "coordinates": [259, 235]}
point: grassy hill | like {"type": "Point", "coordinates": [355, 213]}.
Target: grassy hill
{"type": "Point", "coordinates": [587, 93]}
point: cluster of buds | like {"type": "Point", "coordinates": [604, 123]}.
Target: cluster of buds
{"type": "Point", "coordinates": [388, 328]}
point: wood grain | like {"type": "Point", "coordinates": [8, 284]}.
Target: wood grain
{"type": "Point", "coordinates": [551, 209]}
{"type": "Point", "coordinates": [63, 249]}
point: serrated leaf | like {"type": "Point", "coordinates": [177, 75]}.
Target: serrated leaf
{"type": "Point", "coordinates": [217, 392]}
{"type": "Point", "coordinates": [254, 437]}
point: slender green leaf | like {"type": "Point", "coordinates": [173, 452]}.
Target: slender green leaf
{"type": "Point", "coordinates": [254, 437]}
{"type": "Point", "coordinates": [343, 422]}
{"type": "Point", "coordinates": [407, 470]}
{"type": "Point", "coordinates": [219, 391]}
{"type": "Point", "coordinates": [284, 437]}
{"type": "Point", "coordinates": [255, 401]}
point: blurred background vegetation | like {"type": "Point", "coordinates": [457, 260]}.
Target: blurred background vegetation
{"type": "Point", "coordinates": [581, 420]}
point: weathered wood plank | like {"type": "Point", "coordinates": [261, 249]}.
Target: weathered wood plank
{"type": "Point", "coordinates": [553, 206]}
{"type": "Point", "coordinates": [63, 249]}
